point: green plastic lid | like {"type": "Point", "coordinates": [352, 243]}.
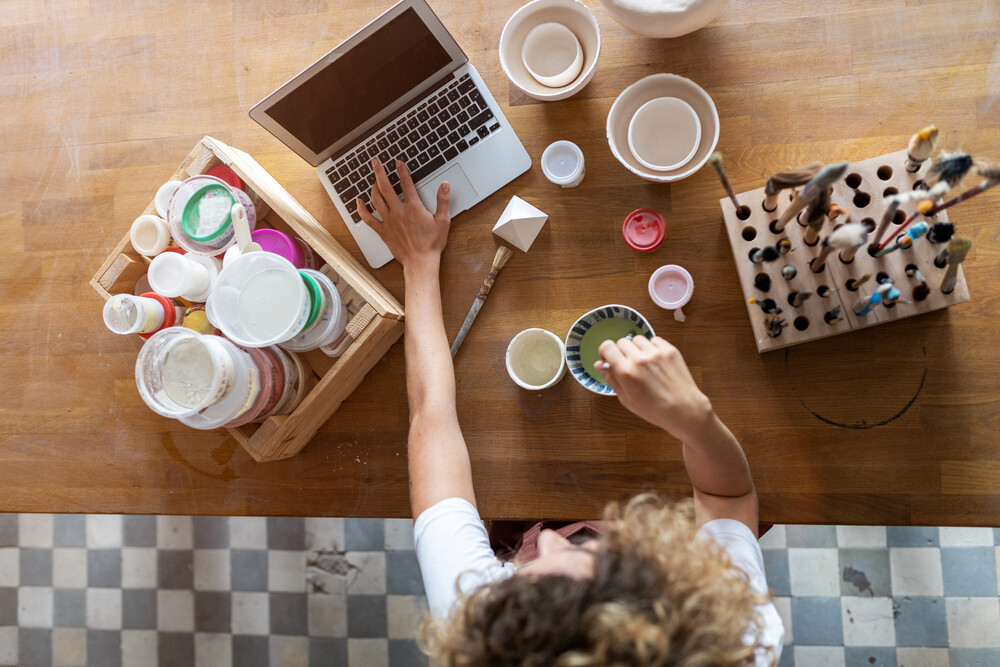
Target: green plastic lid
{"type": "Point", "coordinates": [207, 213]}
{"type": "Point", "coordinates": [315, 299]}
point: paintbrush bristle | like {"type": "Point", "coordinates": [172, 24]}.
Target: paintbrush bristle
{"type": "Point", "coordinates": [851, 235]}
{"type": "Point", "coordinates": [503, 254]}
{"type": "Point", "coordinates": [950, 168]}
{"type": "Point", "coordinates": [989, 170]}
{"type": "Point", "coordinates": [716, 159]}
{"type": "Point", "coordinates": [923, 143]}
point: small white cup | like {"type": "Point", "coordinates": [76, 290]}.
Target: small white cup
{"type": "Point", "coordinates": [189, 276]}
{"type": "Point", "coordinates": [562, 163]}
{"type": "Point", "coordinates": [664, 133]}
{"type": "Point", "coordinates": [552, 55]}
{"type": "Point", "coordinates": [670, 288]}
{"type": "Point", "coordinates": [149, 235]}
{"type": "Point", "coordinates": [536, 359]}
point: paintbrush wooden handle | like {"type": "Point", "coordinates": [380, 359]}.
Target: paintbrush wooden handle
{"type": "Point", "coordinates": [484, 291]}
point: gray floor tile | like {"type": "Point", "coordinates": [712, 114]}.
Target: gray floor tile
{"type": "Point", "coordinates": [812, 536]}
{"type": "Point", "coordinates": [104, 648]}
{"type": "Point", "coordinates": [366, 616]}
{"type": "Point", "coordinates": [211, 532]}
{"type": "Point", "coordinates": [865, 572]}
{"type": "Point", "coordinates": [996, 536]}
{"type": "Point", "coordinates": [327, 650]}
{"type": "Point", "coordinates": [213, 611]}
{"type": "Point", "coordinates": [912, 536]}
{"type": "Point", "coordinates": [402, 573]}
{"type": "Point", "coordinates": [139, 609]}
{"type": "Point", "coordinates": [920, 621]}
{"type": "Point", "coordinates": [404, 653]}
{"type": "Point", "coordinates": [34, 647]}
{"type": "Point", "coordinates": [175, 568]}
{"type": "Point", "coordinates": [139, 531]}
{"type": "Point", "coordinates": [8, 606]}
{"type": "Point", "coordinates": [776, 568]}
{"type": "Point", "coordinates": [8, 530]}
{"type": "Point", "coordinates": [251, 651]}
{"type": "Point", "coordinates": [974, 657]}
{"type": "Point", "coordinates": [176, 649]}
{"type": "Point", "coordinates": [875, 656]}
{"type": "Point", "coordinates": [817, 621]}
{"type": "Point", "coordinates": [969, 571]}
{"type": "Point", "coordinates": [364, 534]}
{"type": "Point", "coordinates": [289, 614]}
{"type": "Point", "coordinates": [104, 568]}
{"type": "Point", "coordinates": [286, 533]}
{"type": "Point", "coordinates": [69, 530]}
{"type": "Point", "coordinates": [248, 569]}
{"type": "Point", "coordinates": [69, 608]}
{"type": "Point", "coordinates": [787, 658]}
{"type": "Point", "coordinates": [36, 567]}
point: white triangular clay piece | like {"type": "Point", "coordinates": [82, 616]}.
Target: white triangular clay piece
{"type": "Point", "coordinates": [520, 223]}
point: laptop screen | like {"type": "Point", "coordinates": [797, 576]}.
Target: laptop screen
{"type": "Point", "coordinates": [349, 91]}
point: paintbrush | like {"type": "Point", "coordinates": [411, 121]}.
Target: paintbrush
{"type": "Point", "coordinates": [846, 238]}
{"type": "Point", "coordinates": [885, 291]}
{"type": "Point", "coordinates": [854, 284]}
{"type": "Point", "coordinates": [819, 184]}
{"type": "Point", "coordinates": [774, 325]}
{"type": "Point", "coordinates": [992, 174]}
{"type": "Point", "coordinates": [941, 232]}
{"type": "Point", "coordinates": [832, 316]}
{"type": "Point", "coordinates": [788, 272]}
{"type": "Point", "coordinates": [788, 179]}
{"type": "Point", "coordinates": [796, 299]}
{"type": "Point", "coordinates": [815, 216]}
{"type": "Point", "coordinates": [921, 291]}
{"type": "Point", "coordinates": [499, 259]}
{"type": "Point", "coordinates": [716, 161]}
{"type": "Point", "coordinates": [769, 306]}
{"type": "Point", "coordinates": [958, 248]}
{"type": "Point", "coordinates": [905, 241]}
{"type": "Point", "coordinates": [892, 203]}
{"type": "Point", "coordinates": [922, 144]}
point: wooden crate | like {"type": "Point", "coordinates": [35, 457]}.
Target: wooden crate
{"type": "Point", "coordinates": [874, 178]}
{"type": "Point", "coordinates": [375, 316]}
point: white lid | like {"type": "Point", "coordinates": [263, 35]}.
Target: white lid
{"type": "Point", "coordinates": [562, 162]}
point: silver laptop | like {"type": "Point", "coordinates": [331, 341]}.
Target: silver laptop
{"type": "Point", "coordinates": [401, 88]}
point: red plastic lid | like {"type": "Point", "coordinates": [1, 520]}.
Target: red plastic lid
{"type": "Point", "coordinates": [227, 176]}
{"type": "Point", "coordinates": [644, 229]}
{"type": "Point", "coordinates": [169, 312]}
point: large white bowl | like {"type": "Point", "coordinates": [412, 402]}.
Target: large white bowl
{"type": "Point", "coordinates": [650, 88]}
{"type": "Point", "coordinates": [572, 14]}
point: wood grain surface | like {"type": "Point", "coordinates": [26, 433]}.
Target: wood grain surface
{"type": "Point", "coordinates": [897, 424]}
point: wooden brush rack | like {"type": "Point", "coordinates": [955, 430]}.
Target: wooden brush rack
{"type": "Point", "coordinates": [861, 193]}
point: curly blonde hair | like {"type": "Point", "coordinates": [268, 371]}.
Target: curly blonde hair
{"type": "Point", "coordinates": [658, 597]}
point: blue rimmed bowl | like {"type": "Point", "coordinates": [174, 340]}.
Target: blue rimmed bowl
{"type": "Point", "coordinates": [612, 322]}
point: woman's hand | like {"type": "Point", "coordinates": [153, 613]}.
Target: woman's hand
{"type": "Point", "coordinates": [415, 237]}
{"type": "Point", "coordinates": [652, 381]}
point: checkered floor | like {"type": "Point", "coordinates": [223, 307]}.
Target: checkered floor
{"type": "Point", "coordinates": [139, 590]}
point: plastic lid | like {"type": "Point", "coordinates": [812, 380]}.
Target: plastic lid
{"type": "Point", "coordinates": [315, 298]}
{"type": "Point", "coordinates": [226, 175]}
{"type": "Point", "coordinates": [644, 229]}
{"type": "Point", "coordinates": [562, 162]}
{"type": "Point", "coordinates": [207, 213]}
{"type": "Point", "coordinates": [271, 240]}
{"type": "Point", "coordinates": [169, 313]}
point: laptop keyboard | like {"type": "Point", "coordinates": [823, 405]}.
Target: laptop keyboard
{"type": "Point", "coordinates": [447, 123]}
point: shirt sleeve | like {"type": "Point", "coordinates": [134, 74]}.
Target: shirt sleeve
{"type": "Point", "coordinates": [453, 550]}
{"type": "Point", "coordinates": [744, 550]}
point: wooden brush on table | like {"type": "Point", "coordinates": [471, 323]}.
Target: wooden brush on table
{"type": "Point", "coordinates": [503, 254]}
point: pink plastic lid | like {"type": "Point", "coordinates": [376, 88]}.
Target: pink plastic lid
{"type": "Point", "coordinates": [271, 240]}
{"type": "Point", "coordinates": [644, 229]}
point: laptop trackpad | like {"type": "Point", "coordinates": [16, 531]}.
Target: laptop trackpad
{"type": "Point", "coordinates": [463, 195]}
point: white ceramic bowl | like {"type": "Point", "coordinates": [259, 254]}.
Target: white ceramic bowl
{"type": "Point", "coordinates": [570, 13]}
{"type": "Point", "coordinates": [664, 133]}
{"type": "Point", "coordinates": [536, 359]}
{"type": "Point", "coordinates": [650, 88]}
{"type": "Point", "coordinates": [552, 54]}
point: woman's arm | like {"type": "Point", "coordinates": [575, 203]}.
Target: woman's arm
{"type": "Point", "coordinates": [438, 459]}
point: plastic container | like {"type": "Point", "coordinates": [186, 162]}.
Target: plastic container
{"type": "Point", "coordinates": [271, 240]}
{"type": "Point", "coordinates": [128, 314]}
{"type": "Point", "coordinates": [190, 277]}
{"type": "Point", "coordinates": [329, 326]}
{"type": "Point", "coordinates": [149, 235]}
{"type": "Point", "coordinates": [671, 287]}
{"type": "Point", "coordinates": [194, 235]}
{"type": "Point", "coordinates": [271, 380]}
{"type": "Point", "coordinates": [291, 369]}
{"type": "Point", "coordinates": [163, 196]}
{"type": "Point", "coordinates": [178, 372]}
{"type": "Point", "coordinates": [562, 163]}
{"type": "Point", "coordinates": [259, 299]}
{"type": "Point", "coordinates": [644, 229]}
{"type": "Point", "coordinates": [238, 400]}
{"type": "Point", "coordinates": [536, 359]}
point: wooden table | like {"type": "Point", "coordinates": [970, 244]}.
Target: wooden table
{"type": "Point", "coordinates": [892, 425]}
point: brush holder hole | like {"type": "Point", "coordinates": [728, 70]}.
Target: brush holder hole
{"type": "Point", "coordinates": [869, 224]}
{"type": "Point", "coordinates": [862, 199]}
{"type": "Point", "coordinates": [940, 261]}
{"type": "Point", "coordinates": [822, 268]}
{"type": "Point", "coordinates": [743, 212]}
{"type": "Point", "coordinates": [921, 292]}
{"type": "Point", "coordinates": [822, 291]}
{"type": "Point", "coordinates": [801, 323]}
{"type": "Point", "coordinates": [762, 281]}
{"type": "Point", "coordinates": [766, 209]}
{"type": "Point", "coordinates": [889, 306]}
{"type": "Point", "coordinates": [853, 180]}
{"type": "Point", "coordinates": [813, 244]}
{"type": "Point", "coordinates": [752, 252]}
{"type": "Point", "coordinates": [881, 277]}
{"type": "Point", "coordinates": [898, 218]}
{"type": "Point", "coordinates": [888, 192]}
{"type": "Point", "coordinates": [884, 172]}
{"type": "Point", "coordinates": [919, 185]}
{"type": "Point", "coordinates": [771, 226]}
{"type": "Point", "coordinates": [749, 233]}
{"type": "Point", "coordinates": [851, 285]}
{"type": "Point", "coordinates": [830, 319]}
{"type": "Point", "coordinates": [911, 268]}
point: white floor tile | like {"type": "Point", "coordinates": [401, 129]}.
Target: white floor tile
{"type": "Point", "coordinates": [34, 607]}
{"type": "Point", "coordinates": [327, 615]}
{"type": "Point", "coordinates": [174, 532]}
{"type": "Point", "coordinates": [973, 622]}
{"type": "Point", "coordinates": [399, 534]}
{"type": "Point", "coordinates": [861, 537]}
{"type": "Point", "coordinates": [916, 571]}
{"type": "Point", "coordinates": [247, 532]}
{"type": "Point", "coordinates": [34, 530]}
{"type": "Point", "coordinates": [211, 570]}
{"type": "Point", "coordinates": [922, 657]}
{"type": "Point", "coordinates": [251, 614]}
{"type": "Point", "coordinates": [323, 533]}
{"type": "Point", "coordinates": [8, 645]}
{"type": "Point", "coordinates": [784, 607]}
{"type": "Point", "coordinates": [814, 572]}
{"type": "Point", "coordinates": [997, 553]}
{"type": "Point", "coordinates": [104, 531]}
{"type": "Point", "coordinates": [286, 571]}
{"type": "Point", "coordinates": [211, 650]}
{"type": "Point", "coordinates": [69, 646]}
{"type": "Point", "coordinates": [405, 615]}
{"type": "Point", "coordinates": [368, 652]}
{"type": "Point", "coordinates": [10, 567]}
{"type": "Point", "coordinates": [175, 611]}
{"type": "Point", "coordinates": [104, 608]}
{"type": "Point", "coordinates": [819, 656]}
{"type": "Point", "coordinates": [290, 651]}
{"type": "Point", "coordinates": [966, 537]}
{"type": "Point", "coordinates": [868, 621]}
{"type": "Point", "coordinates": [139, 567]}
{"type": "Point", "coordinates": [69, 567]}
{"type": "Point", "coordinates": [776, 538]}
{"type": "Point", "coordinates": [139, 648]}
{"type": "Point", "coordinates": [369, 577]}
